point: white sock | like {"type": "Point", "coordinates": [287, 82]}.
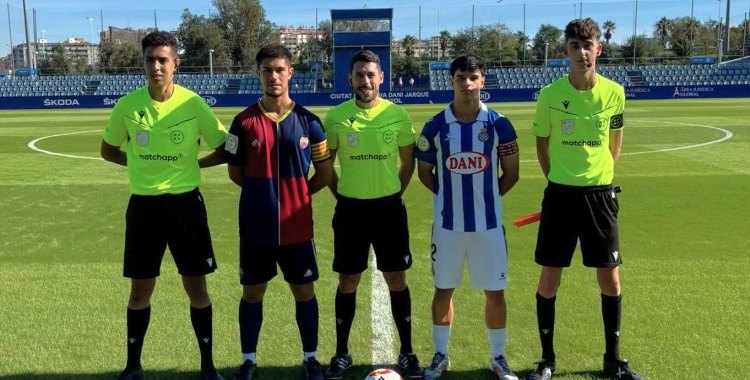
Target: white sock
{"type": "Point", "coordinates": [309, 355]}
{"type": "Point", "coordinates": [440, 336]}
{"type": "Point", "coordinates": [497, 342]}
{"type": "Point", "coordinates": [250, 357]}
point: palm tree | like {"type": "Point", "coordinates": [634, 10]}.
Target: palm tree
{"type": "Point", "coordinates": [662, 29]}
{"type": "Point", "coordinates": [609, 28]}
{"type": "Point", "coordinates": [408, 43]}
{"type": "Point", "coordinates": [445, 37]}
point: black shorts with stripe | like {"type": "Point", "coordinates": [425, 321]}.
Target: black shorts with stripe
{"type": "Point", "coordinates": [585, 213]}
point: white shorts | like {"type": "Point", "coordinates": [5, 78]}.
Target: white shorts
{"type": "Point", "coordinates": [486, 251]}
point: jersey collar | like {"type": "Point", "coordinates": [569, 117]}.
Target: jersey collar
{"type": "Point", "coordinates": [483, 115]}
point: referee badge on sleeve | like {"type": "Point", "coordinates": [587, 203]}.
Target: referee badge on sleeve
{"type": "Point", "coordinates": [141, 137]}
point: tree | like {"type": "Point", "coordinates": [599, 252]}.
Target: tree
{"type": "Point", "coordinates": [522, 42]}
{"type": "Point", "coordinates": [245, 28]}
{"type": "Point", "coordinates": [463, 42]}
{"type": "Point", "coordinates": [641, 47]}
{"type": "Point", "coordinates": [609, 29]}
{"type": "Point", "coordinates": [198, 35]}
{"type": "Point", "coordinates": [662, 30]}
{"type": "Point", "coordinates": [82, 66]}
{"type": "Point", "coordinates": [495, 43]}
{"type": "Point", "coordinates": [445, 40]}
{"type": "Point", "coordinates": [408, 43]}
{"type": "Point", "coordinates": [553, 35]}
{"type": "Point", "coordinates": [325, 44]}
{"type": "Point", "coordinates": [59, 60]}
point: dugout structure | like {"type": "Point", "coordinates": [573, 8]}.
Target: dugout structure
{"type": "Point", "coordinates": [360, 29]}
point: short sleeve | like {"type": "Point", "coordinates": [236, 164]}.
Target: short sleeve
{"type": "Point", "coordinates": [407, 136]}
{"type": "Point", "coordinates": [426, 147]}
{"type": "Point", "coordinates": [541, 126]}
{"type": "Point", "coordinates": [234, 149]}
{"type": "Point", "coordinates": [318, 143]}
{"type": "Point", "coordinates": [212, 131]}
{"type": "Point", "coordinates": [616, 121]}
{"type": "Point", "coordinates": [329, 126]}
{"type": "Point", "coordinates": [507, 138]}
{"type": "Point", "coordinates": [115, 133]}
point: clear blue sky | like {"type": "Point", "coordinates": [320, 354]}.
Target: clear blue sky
{"type": "Point", "coordinates": [61, 19]}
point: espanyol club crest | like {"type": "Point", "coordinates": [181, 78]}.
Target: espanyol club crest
{"type": "Point", "coordinates": [141, 137]}
{"type": "Point", "coordinates": [304, 142]}
{"type": "Point", "coordinates": [483, 135]}
{"type": "Point", "coordinates": [568, 127]}
{"type": "Point", "coordinates": [353, 139]}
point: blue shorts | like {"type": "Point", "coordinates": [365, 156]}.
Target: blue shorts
{"type": "Point", "coordinates": [298, 263]}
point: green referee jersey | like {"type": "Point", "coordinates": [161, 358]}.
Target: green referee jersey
{"type": "Point", "coordinates": [578, 124]}
{"type": "Point", "coordinates": [163, 139]}
{"type": "Point", "coordinates": [367, 143]}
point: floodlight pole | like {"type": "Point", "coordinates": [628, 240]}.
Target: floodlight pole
{"type": "Point", "coordinates": [211, 61]}
{"type": "Point", "coordinates": [28, 39]}
{"type": "Point", "coordinates": [546, 52]}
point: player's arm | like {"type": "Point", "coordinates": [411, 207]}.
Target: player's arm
{"type": "Point", "coordinates": [215, 158]}
{"type": "Point", "coordinates": [616, 124]}
{"type": "Point", "coordinates": [113, 154]}
{"type": "Point", "coordinates": [329, 126]}
{"type": "Point", "coordinates": [508, 153]}
{"type": "Point", "coordinates": [406, 140]}
{"type": "Point", "coordinates": [213, 132]}
{"type": "Point", "coordinates": [114, 135]}
{"type": "Point", "coordinates": [615, 143]}
{"type": "Point", "coordinates": [542, 154]}
{"type": "Point", "coordinates": [334, 182]}
{"type": "Point", "coordinates": [321, 158]}
{"type": "Point", "coordinates": [541, 128]}
{"type": "Point", "coordinates": [426, 173]}
{"type": "Point", "coordinates": [406, 154]}
{"type": "Point", "coordinates": [234, 152]}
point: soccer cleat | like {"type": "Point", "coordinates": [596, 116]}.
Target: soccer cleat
{"type": "Point", "coordinates": [410, 364]}
{"type": "Point", "coordinates": [543, 371]}
{"type": "Point", "coordinates": [339, 364]}
{"type": "Point", "coordinates": [312, 370]}
{"type": "Point", "coordinates": [440, 364]}
{"type": "Point", "coordinates": [210, 374]}
{"type": "Point", "coordinates": [619, 369]}
{"type": "Point", "coordinates": [131, 374]}
{"type": "Point", "coordinates": [500, 367]}
{"type": "Point", "coordinates": [246, 371]}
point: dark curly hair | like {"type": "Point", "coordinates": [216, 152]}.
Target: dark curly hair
{"type": "Point", "coordinates": [160, 38]}
{"type": "Point", "coordinates": [273, 50]}
{"type": "Point", "coordinates": [468, 63]}
{"type": "Point", "coordinates": [583, 29]}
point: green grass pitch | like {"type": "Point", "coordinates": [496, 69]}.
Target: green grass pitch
{"type": "Point", "coordinates": [684, 243]}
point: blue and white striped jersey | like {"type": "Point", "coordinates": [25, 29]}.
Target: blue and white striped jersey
{"type": "Point", "coordinates": [466, 156]}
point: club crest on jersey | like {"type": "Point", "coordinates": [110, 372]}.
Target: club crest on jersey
{"type": "Point", "coordinates": [568, 127]}
{"type": "Point", "coordinates": [467, 163]}
{"type": "Point", "coordinates": [483, 135]}
{"type": "Point", "coordinates": [423, 144]}
{"type": "Point", "coordinates": [141, 137]}
{"type": "Point", "coordinates": [353, 139]}
{"type": "Point", "coordinates": [304, 142]}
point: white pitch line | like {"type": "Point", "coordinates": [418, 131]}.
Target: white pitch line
{"type": "Point", "coordinates": [33, 146]}
{"type": "Point", "coordinates": [727, 135]}
{"type": "Point", "coordinates": [383, 354]}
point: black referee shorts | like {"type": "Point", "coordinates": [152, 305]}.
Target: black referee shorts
{"type": "Point", "coordinates": [177, 221]}
{"type": "Point", "coordinates": [570, 213]}
{"type": "Point", "coordinates": [359, 223]}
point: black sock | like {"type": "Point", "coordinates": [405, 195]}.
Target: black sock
{"type": "Point", "coordinates": [611, 312]}
{"type": "Point", "coordinates": [307, 321]}
{"type": "Point", "coordinates": [545, 316]}
{"type": "Point", "coordinates": [137, 326]}
{"type": "Point", "coordinates": [346, 305]}
{"type": "Point", "coordinates": [202, 325]}
{"type": "Point", "coordinates": [401, 310]}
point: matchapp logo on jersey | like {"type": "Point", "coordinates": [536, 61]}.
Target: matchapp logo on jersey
{"type": "Point", "coordinates": [467, 163]}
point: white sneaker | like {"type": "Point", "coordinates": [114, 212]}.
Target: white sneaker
{"type": "Point", "coordinates": [440, 363]}
{"type": "Point", "coordinates": [500, 367]}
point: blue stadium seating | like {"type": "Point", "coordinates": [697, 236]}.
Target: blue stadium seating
{"type": "Point", "coordinates": [117, 85]}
